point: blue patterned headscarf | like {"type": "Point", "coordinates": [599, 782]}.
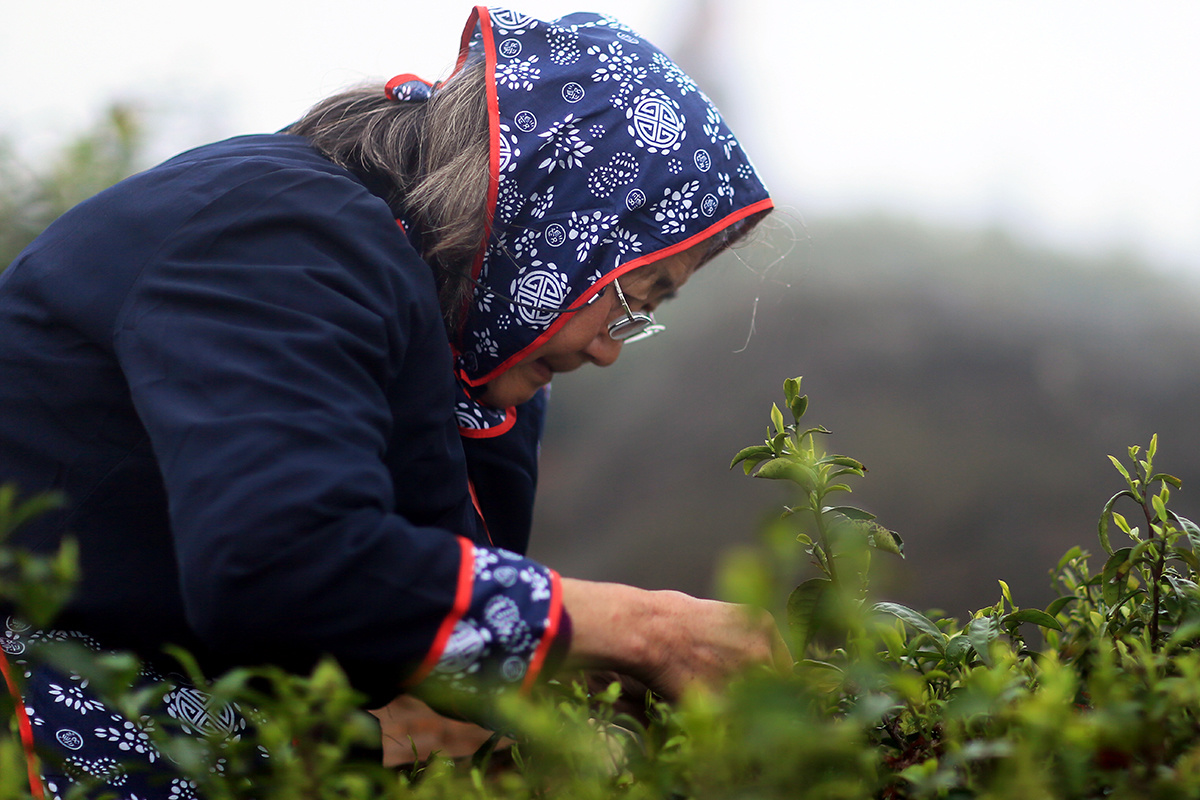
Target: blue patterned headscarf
{"type": "Point", "coordinates": [604, 157]}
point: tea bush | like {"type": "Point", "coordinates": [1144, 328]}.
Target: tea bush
{"type": "Point", "coordinates": [1096, 695]}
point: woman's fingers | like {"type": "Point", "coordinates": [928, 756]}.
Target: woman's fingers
{"type": "Point", "coordinates": [668, 640]}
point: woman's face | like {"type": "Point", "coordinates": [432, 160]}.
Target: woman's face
{"type": "Point", "coordinates": [584, 337]}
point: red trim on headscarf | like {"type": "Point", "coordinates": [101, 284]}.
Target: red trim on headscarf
{"type": "Point", "coordinates": [553, 618]}
{"type": "Point", "coordinates": [390, 87]}
{"type": "Point", "coordinates": [598, 286]}
{"type": "Point", "coordinates": [510, 419]}
{"type": "Point", "coordinates": [462, 602]}
{"type": "Point", "coordinates": [35, 780]}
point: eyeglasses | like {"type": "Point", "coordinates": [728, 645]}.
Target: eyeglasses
{"type": "Point", "coordinates": [632, 327]}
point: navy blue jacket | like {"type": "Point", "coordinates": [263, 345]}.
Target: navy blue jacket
{"type": "Point", "coordinates": [235, 367]}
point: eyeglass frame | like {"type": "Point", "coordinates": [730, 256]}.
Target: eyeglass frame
{"type": "Point", "coordinates": [634, 326]}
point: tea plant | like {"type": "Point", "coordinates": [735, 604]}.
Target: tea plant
{"type": "Point", "coordinates": [1095, 696]}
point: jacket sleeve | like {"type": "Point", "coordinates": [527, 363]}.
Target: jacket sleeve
{"type": "Point", "coordinates": [264, 347]}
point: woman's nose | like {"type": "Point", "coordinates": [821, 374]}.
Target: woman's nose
{"type": "Point", "coordinates": [603, 350]}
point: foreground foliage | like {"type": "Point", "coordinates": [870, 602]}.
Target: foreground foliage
{"type": "Point", "coordinates": [1096, 695]}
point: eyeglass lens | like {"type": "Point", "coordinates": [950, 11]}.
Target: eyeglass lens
{"type": "Point", "coordinates": [633, 327]}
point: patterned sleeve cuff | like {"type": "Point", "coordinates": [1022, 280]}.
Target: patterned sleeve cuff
{"type": "Point", "coordinates": [504, 637]}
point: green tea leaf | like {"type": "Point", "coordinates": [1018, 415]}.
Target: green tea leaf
{"type": "Point", "coordinates": [843, 461]}
{"type": "Point", "coordinates": [982, 631]}
{"type": "Point", "coordinates": [798, 406]}
{"type": "Point", "coordinates": [1121, 469]}
{"type": "Point", "coordinates": [777, 418]}
{"type": "Point", "coordinates": [818, 429]}
{"type": "Point", "coordinates": [1186, 556]}
{"type": "Point", "coordinates": [1104, 516]}
{"type": "Point", "coordinates": [849, 512]}
{"type": "Point", "coordinates": [1165, 478]}
{"type": "Point", "coordinates": [1191, 529]}
{"type": "Point", "coordinates": [1115, 569]}
{"type": "Point", "coordinates": [1160, 507]}
{"type": "Point", "coordinates": [754, 454]}
{"type": "Point", "coordinates": [958, 647]}
{"type": "Point", "coordinates": [916, 620]}
{"type": "Point", "coordinates": [1033, 615]}
{"type": "Point", "coordinates": [821, 675]}
{"type": "Point", "coordinates": [1074, 552]}
{"type": "Point", "coordinates": [791, 389]}
{"type": "Point", "coordinates": [803, 612]}
{"type": "Point", "coordinates": [881, 538]}
{"type": "Point", "coordinates": [790, 470]}
{"type": "Point", "coordinates": [1059, 603]}
{"type": "Point", "coordinates": [14, 514]}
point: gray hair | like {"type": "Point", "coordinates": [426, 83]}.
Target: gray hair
{"type": "Point", "coordinates": [434, 155]}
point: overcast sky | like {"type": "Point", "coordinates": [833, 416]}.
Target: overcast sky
{"type": "Point", "coordinates": [1073, 122]}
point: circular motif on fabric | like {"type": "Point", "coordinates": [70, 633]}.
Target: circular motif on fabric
{"type": "Point", "coordinates": [464, 648]}
{"type": "Point", "coordinates": [539, 288]}
{"type": "Point", "coordinates": [69, 739]}
{"type": "Point", "coordinates": [468, 418]}
{"type": "Point", "coordinates": [513, 669]}
{"type": "Point", "coordinates": [510, 48]}
{"type": "Point", "coordinates": [635, 199]}
{"type": "Point", "coordinates": [656, 122]}
{"type": "Point", "coordinates": [17, 625]}
{"type": "Point", "coordinates": [11, 646]}
{"type": "Point", "coordinates": [469, 362]}
{"type": "Point", "coordinates": [473, 417]}
{"type": "Point", "coordinates": [510, 20]}
{"type": "Point", "coordinates": [502, 614]}
{"type": "Point", "coordinates": [525, 121]}
{"type": "Point", "coordinates": [197, 711]}
{"type": "Point", "coordinates": [555, 235]}
{"type": "Point", "coordinates": [708, 205]}
{"type": "Point", "coordinates": [505, 576]}
{"type": "Point", "coordinates": [506, 151]}
{"type": "Point", "coordinates": [703, 160]}
{"type": "Point", "coordinates": [572, 92]}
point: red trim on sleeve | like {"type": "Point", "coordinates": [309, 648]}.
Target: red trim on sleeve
{"type": "Point", "coordinates": [554, 617]}
{"type": "Point", "coordinates": [462, 602]}
{"type": "Point", "coordinates": [35, 780]}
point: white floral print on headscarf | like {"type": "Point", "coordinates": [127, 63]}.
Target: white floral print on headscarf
{"type": "Point", "coordinates": [605, 156]}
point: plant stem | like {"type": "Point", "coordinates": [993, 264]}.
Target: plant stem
{"type": "Point", "coordinates": [1156, 572]}
{"type": "Point", "coordinates": [822, 537]}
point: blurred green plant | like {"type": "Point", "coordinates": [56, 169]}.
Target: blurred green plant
{"type": "Point", "coordinates": [886, 701]}
{"type": "Point", "coordinates": [94, 160]}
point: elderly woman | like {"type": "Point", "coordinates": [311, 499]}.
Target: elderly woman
{"type": "Point", "coordinates": [293, 384]}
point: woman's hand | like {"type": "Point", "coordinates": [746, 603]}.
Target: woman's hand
{"type": "Point", "coordinates": [668, 640]}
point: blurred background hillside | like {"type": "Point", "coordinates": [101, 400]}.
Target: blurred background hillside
{"type": "Point", "coordinates": [985, 266]}
{"type": "Point", "coordinates": [981, 380]}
